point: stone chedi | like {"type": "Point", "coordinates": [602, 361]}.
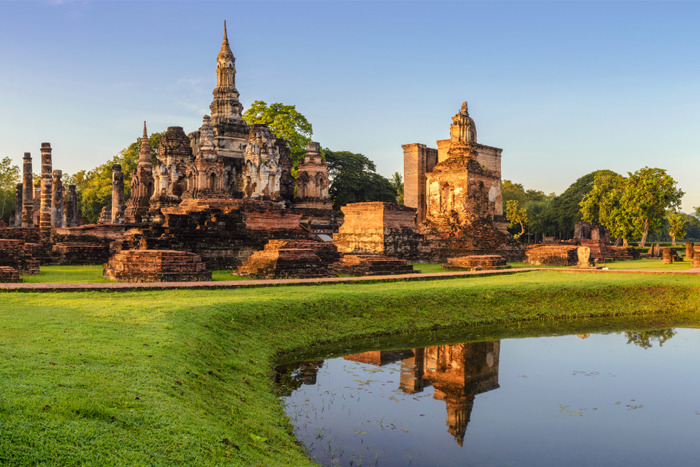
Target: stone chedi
{"type": "Point", "coordinates": [141, 184]}
{"type": "Point", "coordinates": [456, 191]}
{"type": "Point", "coordinates": [312, 185]}
{"type": "Point", "coordinates": [229, 128]}
{"type": "Point", "coordinates": [117, 195]}
{"type": "Point", "coordinates": [57, 201]}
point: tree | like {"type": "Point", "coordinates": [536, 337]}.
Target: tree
{"type": "Point", "coordinates": [676, 227]}
{"type": "Point", "coordinates": [564, 210]}
{"type": "Point", "coordinates": [602, 205]}
{"type": "Point", "coordinates": [353, 179]}
{"type": "Point", "coordinates": [397, 182]}
{"type": "Point", "coordinates": [284, 122]}
{"type": "Point", "coordinates": [516, 215]}
{"type": "Point", "coordinates": [648, 193]}
{"type": "Point", "coordinates": [9, 178]}
{"type": "Point", "coordinates": [94, 187]}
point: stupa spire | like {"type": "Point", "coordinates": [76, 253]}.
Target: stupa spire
{"type": "Point", "coordinates": [145, 153]}
{"type": "Point", "coordinates": [225, 108]}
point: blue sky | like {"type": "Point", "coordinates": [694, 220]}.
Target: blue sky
{"type": "Point", "coordinates": [564, 88]}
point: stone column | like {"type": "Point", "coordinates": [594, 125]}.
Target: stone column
{"type": "Point", "coordinates": [689, 254]}
{"type": "Point", "coordinates": [46, 182]}
{"type": "Point", "coordinates": [57, 199]}
{"type": "Point", "coordinates": [37, 204]}
{"type": "Point", "coordinates": [117, 194]}
{"type": "Point", "coordinates": [27, 192]}
{"type": "Point", "coordinates": [667, 258]}
{"type": "Point", "coordinates": [70, 208]}
{"type": "Point", "coordinates": [18, 205]}
{"type": "Point", "coordinates": [696, 256]}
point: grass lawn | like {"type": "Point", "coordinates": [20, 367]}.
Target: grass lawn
{"type": "Point", "coordinates": [183, 377]}
{"type": "Point", "coordinates": [92, 273]}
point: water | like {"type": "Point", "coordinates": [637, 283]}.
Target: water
{"type": "Point", "coordinates": [627, 398]}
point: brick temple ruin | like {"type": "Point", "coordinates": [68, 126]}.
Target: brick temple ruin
{"type": "Point", "coordinates": [225, 193]}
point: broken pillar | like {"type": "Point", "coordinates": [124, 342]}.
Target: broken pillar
{"type": "Point", "coordinates": [667, 258]}
{"type": "Point", "coordinates": [57, 199]}
{"type": "Point", "coordinates": [70, 208]}
{"type": "Point", "coordinates": [46, 182]}
{"type": "Point", "coordinates": [27, 192]}
{"type": "Point", "coordinates": [117, 194]}
{"type": "Point", "coordinates": [18, 205]}
{"type": "Point", "coordinates": [689, 254]}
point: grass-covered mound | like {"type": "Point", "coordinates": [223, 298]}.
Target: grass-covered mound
{"type": "Point", "coordinates": [183, 377]}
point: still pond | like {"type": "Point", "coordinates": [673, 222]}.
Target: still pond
{"type": "Point", "coordinates": [608, 399]}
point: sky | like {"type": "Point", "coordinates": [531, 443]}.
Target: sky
{"type": "Point", "coordinates": [564, 88]}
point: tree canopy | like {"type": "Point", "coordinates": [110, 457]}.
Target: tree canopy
{"type": "Point", "coordinates": [397, 182]}
{"type": "Point", "coordinates": [9, 178]}
{"type": "Point", "coordinates": [284, 121]}
{"type": "Point", "coordinates": [353, 179]}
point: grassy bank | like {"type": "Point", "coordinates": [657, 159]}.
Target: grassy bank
{"type": "Point", "coordinates": [92, 273]}
{"type": "Point", "coordinates": [183, 377]}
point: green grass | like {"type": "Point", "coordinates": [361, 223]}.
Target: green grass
{"type": "Point", "coordinates": [90, 273]}
{"type": "Point", "coordinates": [635, 265]}
{"type": "Point", "coordinates": [163, 377]}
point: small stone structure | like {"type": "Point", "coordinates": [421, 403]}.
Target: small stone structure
{"type": "Point", "coordinates": [476, 262]}
{"type": "Point", "coordinates": [312, 192]}
{"type": "Point", "coordinates": [8, 274]}
{"type": "Point", "coordinates": [141, 184]}
{"type": "Point", "coordinates": [667, 257]}
{"type": "Point", "coordinates": [552, 255]}
{"type": "Point", "coordinates": [689, 253]}
{"type": "Point", "coordinates": [584, 257]}
{"type": "Point", "coordinates": [696, 256]}
{"type": "Point", "coordinates": [624, 253]}
{"type": "Point", "coordinates": [290, 259]}
{"type": "Point", "coordinates": [372, 265]}
{"type": "Point", "coordinates": [105, 215]}
{"type": "Point", "coordinates": [19, 191]}
{"type": "Point", "coordinates": [156, 266]}
{"type": "Point", "coordinates": [379, 228]}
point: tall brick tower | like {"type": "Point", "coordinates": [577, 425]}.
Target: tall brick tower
{"type": "Point", "coordinates": [46, 184]}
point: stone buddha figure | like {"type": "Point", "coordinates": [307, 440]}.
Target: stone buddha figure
{"type": "Point", "coordinates": [463, 129]}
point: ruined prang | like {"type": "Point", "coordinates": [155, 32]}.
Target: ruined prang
{"type": "Point", "coordinates": [57, 199]}
{"type": "Point", "coordinates": [141, 184]}
{"type": "Point", "coordinates": [70, 208]}
{"type": "Point", "coordinates": [18, 205]}
{"type": "Point", "coordinates": [46, 182]}
{"type": "Point", "coordinates": [117, 194]}
{"type": "Point", "coordinates": [27, 192]}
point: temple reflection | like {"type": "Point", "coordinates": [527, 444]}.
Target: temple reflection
{"type": "Point", "coordinates": [457, 373]}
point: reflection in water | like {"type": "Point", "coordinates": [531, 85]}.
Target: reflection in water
{"type": "Point", "coordinates": [563, 399]}
{"type": "Point", "coordinates": [457, 373]}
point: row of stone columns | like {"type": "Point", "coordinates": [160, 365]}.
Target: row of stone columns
{"type": "Point", "coordinates": [53, 207]}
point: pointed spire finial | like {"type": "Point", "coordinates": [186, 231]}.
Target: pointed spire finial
{"type": "Point", "coordinates": [145, 135]}
{"type": "Point", "coordinates": [225, 33]}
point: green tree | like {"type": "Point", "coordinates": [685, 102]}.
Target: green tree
{"type": "Point", "coordinates": [602, 205]}
{"type": "Point", "coordinates": [676, 226]}
{"type": "Point", "coordinates": [516, 215]}
{"type": "Point", "coordinates": [397, 182]}
{"type": "Point", "coordinates": [284, 122]}
{"type": "Point", "coordinates": [648, 193]}
{"type": "Point", "coordinates": [94, 187]}
{"type": "Point", "coordinates": [564, 211]}
{"type": "Point", "coordinates": [9, 178]}
{"type": "Point", "coordinates": [353, 179]}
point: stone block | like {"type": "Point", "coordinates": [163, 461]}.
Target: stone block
{"type": "Point", "coordinates": [372, 265]}
{"type": "Point", "coordinates": [8, 274]}
{"type": "Point", "coordinates": [476, 262]}
{"type": "Point", "coordinates": [282, 259]}
{"type": "Point", "coordinates": [156, 266]}
{"type": "Point", "coordinates": [552, 255]}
